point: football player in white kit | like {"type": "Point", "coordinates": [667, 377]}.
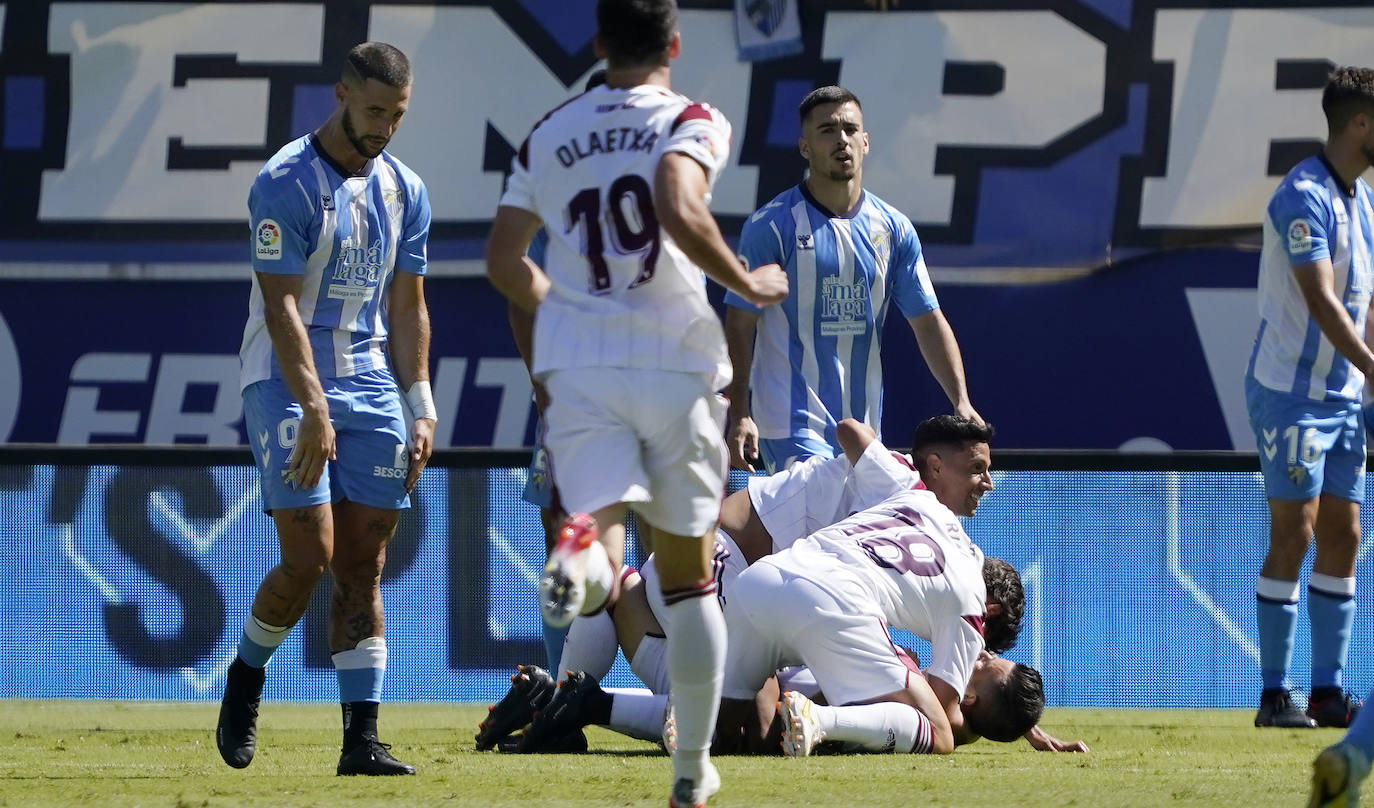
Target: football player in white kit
{"type": "Point", "coordinates": [827, 601]}
{"type": "Point", "coordinates": [812, 494]}
{"type": "Point", "coordinates": [627, 345]}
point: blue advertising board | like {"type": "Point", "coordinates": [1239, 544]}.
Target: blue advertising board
{"type": "Point", "coordinates": [1150, 351]}
{"type": "Point", "coordinates": [132, 583]}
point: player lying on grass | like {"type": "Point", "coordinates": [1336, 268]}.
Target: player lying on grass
{"type": "Point", "coordinates": [797, 716]}
{"type": "Point", "coordinates": [796, 497]}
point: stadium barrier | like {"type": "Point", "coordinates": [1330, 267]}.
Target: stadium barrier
{"type": "Point", "coordinates": [131, 568]}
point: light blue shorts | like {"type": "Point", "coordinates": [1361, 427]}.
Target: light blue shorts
{"type": "Point", "coordinates": [370, 440]}
{"type": "Point", "coordinates": [780, 453]}
{"type": "Point", "coordinates": [1307, 447]}
{"type": "Point", "coordinates": [539, 488]}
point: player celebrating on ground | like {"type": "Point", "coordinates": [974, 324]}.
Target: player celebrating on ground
{"type": "Point", "coordinates": [627, 345]}
{"type": "Point", "coordinates": [337, 329]}
{"type": "Point", "coordinates": [905, 564]}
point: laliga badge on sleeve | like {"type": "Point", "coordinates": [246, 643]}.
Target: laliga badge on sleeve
{"type": "Point", "coordinates": [1299, 236]}
{"type": "Point", "coordinates": [267, 240]}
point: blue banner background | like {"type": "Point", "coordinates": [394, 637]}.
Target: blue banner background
{"type": "Point", "coordinates": [1140, 586]}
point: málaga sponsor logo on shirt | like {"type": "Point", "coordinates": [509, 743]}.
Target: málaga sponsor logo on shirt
{"type": "Point", "coordinates": [357, 271]}
{"type": "Point", "coordinates": [843, 307]}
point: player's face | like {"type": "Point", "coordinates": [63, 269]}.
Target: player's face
{"type": "Point", "coordinates": [834, 141]}
{"type": "Point", "coordinates": [1366, 145]}
{"type": "Point", "coordinates": [372, 113]}
{"type": "Point", "coordinates": [989, 674]}
{"type": "Point", "coordinates": [964, 477]}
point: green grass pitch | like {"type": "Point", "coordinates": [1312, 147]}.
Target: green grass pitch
{"type": "Point", "coordinates": [116, 754]}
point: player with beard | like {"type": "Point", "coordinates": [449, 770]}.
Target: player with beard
{"type": "Point", "coordinates": [801, 367]}
{"type": "Point", "coordinates": [337, 400]}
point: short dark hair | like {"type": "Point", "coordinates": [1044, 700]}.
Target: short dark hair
{"type": "Point", "coordinates": [1004, 588]}
{"type": "Point", "coordinates": [947, 430]}
{"type": "Point", "coordinates": [636, 32]}
{"type": "Point", "coordinates": [829, 94]}
{"type": "Point", "coordinates": [377, 60]}
{"type": "Point", "coordinates": [1348, 92]}
{"type": "Point", "coordinates": [1020, 703]}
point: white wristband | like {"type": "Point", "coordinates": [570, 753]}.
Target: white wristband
{"type": "Point", "coordinates": [421, 400]}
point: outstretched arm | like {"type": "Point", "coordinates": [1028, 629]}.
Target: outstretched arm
{"type": "Point", "coordinates": [1041, 740]}
{"type": "Point", "coordinates": [940, 350]}
{"type": "Point", "coordinates": [680, 192]}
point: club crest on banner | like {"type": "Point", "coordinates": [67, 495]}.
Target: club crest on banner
{"type": "Point", "coordinates": [766, 15]}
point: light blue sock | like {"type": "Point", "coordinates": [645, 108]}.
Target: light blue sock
{"type": "Point", "coordinates": [553, 646]}
{"type": "Point", "coordinates": [259, 641]}
{"type": "Point", "coordinates": [361, 671]}
{"type": "Point", "coordinates": [1276, 616]}
{"type": "Point", "coordinates": [1331, 611]}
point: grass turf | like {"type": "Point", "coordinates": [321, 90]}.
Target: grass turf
{"type": "Point", "coordinates": [97, 753]}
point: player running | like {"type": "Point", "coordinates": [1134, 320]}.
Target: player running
{"type": "Point", "coordinates": [627, 345]}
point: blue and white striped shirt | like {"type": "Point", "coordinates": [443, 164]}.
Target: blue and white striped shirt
{"type": "Point", "coordinates": [345, 235]}
{"type": "Point", "coordinates": [1311, 216]}
{"type": "Point", "coordinates": [816, 355]}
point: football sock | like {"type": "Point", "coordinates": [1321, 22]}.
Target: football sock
{"type": "Point", "coordinates": [591, 647]}
{"type": "Point", "coordinates": [651, 663]}
{"type": "Point", "coordinates": [637, 712]}
{"type": "Point", "coordinates": [886, 726]}
{"type": "Point", "coordinates": [553, 645]}
{"type": "Point", "coordinates": [359, 722]}
{"type": "Point", "coordinates": [1331, 611]}
{"type": "Point", "coordinates": [259, 640]}
{"type": "Point", "coordinates": [696, 661]}
{"type": "Point", "coordinates": [1276, 613]}
{"type": "Point", "coordinates": [360, 671]}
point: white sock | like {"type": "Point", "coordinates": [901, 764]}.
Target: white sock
{"type": "Point", "coordinates": [651, 664]}
{"type": "Point", "coordinates": [590, 646]}
{"type": "Point", "coordinates": [696, 662]}
{"type": "Point", "coordinates": [886, 726]}
{"type": "Point", "coordinates": [637, 712]}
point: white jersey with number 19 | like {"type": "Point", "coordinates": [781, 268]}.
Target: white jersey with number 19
{"type": "Point", "coordinates": [623, 294]}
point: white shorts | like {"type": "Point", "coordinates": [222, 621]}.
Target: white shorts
{"type": "Point", "coordinates": [650, 438]}
{"type": "Point", "coordinates": [776, 617]}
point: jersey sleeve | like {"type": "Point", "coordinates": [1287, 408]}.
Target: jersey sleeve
{"type": "Point", "coordinates": [800, 500]}
{"type": "Point", "coordinates": [702, 133]}
{"type": "Point", "coordinates": [412, 250]}
{"type": "Point", "coordinates": [954, 650]}
{"type": "Point", "coordinates": [1299, 215]}
{"type": "Point", "coordinates": [879, 474]}
{"type": "Point", "coordinates": [759, 243]}
{"type": "Point", "coordinates": [519, 191]}
{"type": "Point", "coordinates": [911, 287]}
{"type": "Point", "coordinates": [280, 216]}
